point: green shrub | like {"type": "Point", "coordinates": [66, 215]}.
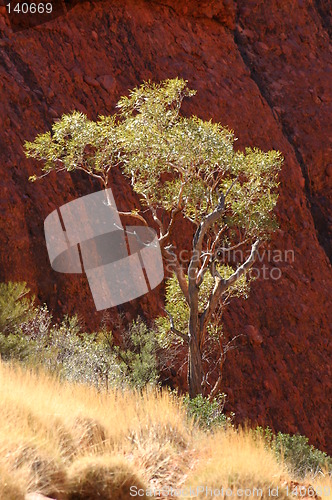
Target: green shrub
{"type": "Point", "coordinates": [15, 306]}
{"type": "Point", "coordinates": [301, 457]}
{"type": "Point", "coordinates": [139, 356]}
{"type": "Point", "coordinates": [77, 356]}
{"type": "Point", "coordinates": [63, 349]}
{"type": "Point", "coordinates": [26, 340]}
{"type": "Point", "coordinates": [82, 357]}
{"type": "Point", "coordinates": [13, 346]}
{"type": "Point", "coordinates": [208, 414]}
{"type": "Point", "coordinates": [28, 336]}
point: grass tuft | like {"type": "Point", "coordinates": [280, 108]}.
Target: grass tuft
{"type": "Point", "coordinates": [105, 478]}
{"type": "Point", "coordinates": [11, 484]}
{"type": "Point", "coordinates": [232, 460]}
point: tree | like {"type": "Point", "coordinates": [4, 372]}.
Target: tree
{"type": "Point", "coordinates": [179, 166]}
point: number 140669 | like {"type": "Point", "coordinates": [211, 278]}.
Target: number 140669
{"type": "Point", "coordinates": [29, 8]}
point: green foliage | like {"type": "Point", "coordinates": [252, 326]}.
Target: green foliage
{"type": "Point", "coordinates": [82, 357]}
{"type": "Point", "coordinates": [77, 356]}
{"type": "Point", "coordinates": [251, 200]}
{"type": "Point", "coordinates": [200, 157]}
{"type": "Point", "coordinates": [177, 306]}
{"type": "Point", "coordinates": [13, 346]}
{"type": "Point", "coordinates": [26, 338]}
{"type": "Point", "coordinates": [64, 349]}
{"type": "Point", "coordinates": [301, 457]}
{"type": "Point", "coordinates": [139, 358]}
{"type": "Point", "coordinates": [15, 306]}
{"type": "Point", "coordinates": [171, 160]}
{"type": "Point", "coordinates": [77, 143]}
{"type": "Point", "coordinates": [208, 414]}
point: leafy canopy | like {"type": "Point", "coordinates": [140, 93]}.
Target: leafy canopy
{"type": "Point", "coordinates": [171, 160]}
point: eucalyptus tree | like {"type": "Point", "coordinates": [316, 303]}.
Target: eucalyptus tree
{"type": "Point", "coordinates": [180, 167]}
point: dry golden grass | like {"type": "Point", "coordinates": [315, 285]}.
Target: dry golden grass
{"type": "Point", "coordinates": [11, 484]}
{"type": "Point", "coordinates": [235, 464]}
{"type": "Point", "coordinates": [323, 486]}
{"type": "Point", "coordinates": [71, 442]}
{"type": "Point", "coordinates": [48, 427]}
{"type": "Point", "coordinates": [105, 478]}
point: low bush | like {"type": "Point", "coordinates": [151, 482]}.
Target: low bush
{"type": "Point", "coordinates": [208, 414]}
{"type": "Point", "coordinates": [64, 349]}
{"type": "Point", "coordinates": [15, 305]}
{"type": "Point", "coordinates": [139, 355]}
{"type": "Point", "coordinates": [28, 335]}
{"type": "Point", "coordinates": [301, 457]}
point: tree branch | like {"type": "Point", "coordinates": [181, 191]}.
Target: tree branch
{"type": "Point", "coordinates": [154, 214]}
{"type": "Point", "coordinates": [175, 211]}
{"type": "Point", "coordinates": [208, 259]}
{"type": "Point", "coordinates": [244, 267]}
{"type": "Point", "coordinates": [89, 172]}
{"type": "Point", "coordinates": [164, 237]}
{"type": "Point", "coordinates": [202, 229]}
{"type": "Point", "coordinates": [207, 223]}
{"type": "Point", "coordinates": [228, 249]}
{"type": "Point", "coordinates": [201, 273]}
{"type": "Point", "coordinates": [184, 336]}
{"type": "Point", "coordinates": [222, 285]}
{"type": "Point", "coordinates": [134, 216]}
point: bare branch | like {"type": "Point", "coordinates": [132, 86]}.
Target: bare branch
{"type": "Point", "coordinates": [223, 351]}
{"type": "Point", "coordinates": [37, 177]}
{"type": "Point", "coordinates": [228, 249]}
{"type": "Point", "coordinates": [134, 216]}
{"type": "Point", "coordinates": [154, 214]}
{"type": "Point", "coordinates": [164, 237]}
{"type": "Point", "coordinates": [208, 261]}
{"type": "Point", "coordinates": [217, 386]}
{"type": "Point", "coordinates": [207, 223]}
{"type": "Point", "coordinates": [201, 273]}
{"type": "Point", "coordinates": [231, 186]}
{"type": "Point", "coordinates": [199, 236]}
{"type": "Point", "coordinates": [184, 336]}
{"type": "Point", "coordinates": [90, 172]}
{"type": "Point", "coordinates": [244, 267]}
{"type": "Point", "coordinates": [222, 285]}
{"type": "Point", "coordinates": [217, 238]}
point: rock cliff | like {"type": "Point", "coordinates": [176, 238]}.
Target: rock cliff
{"type": "Point", "coordinates": [262, 68]}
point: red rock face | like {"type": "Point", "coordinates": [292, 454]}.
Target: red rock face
{"type": "Point", "coordinates": [263, 69]}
